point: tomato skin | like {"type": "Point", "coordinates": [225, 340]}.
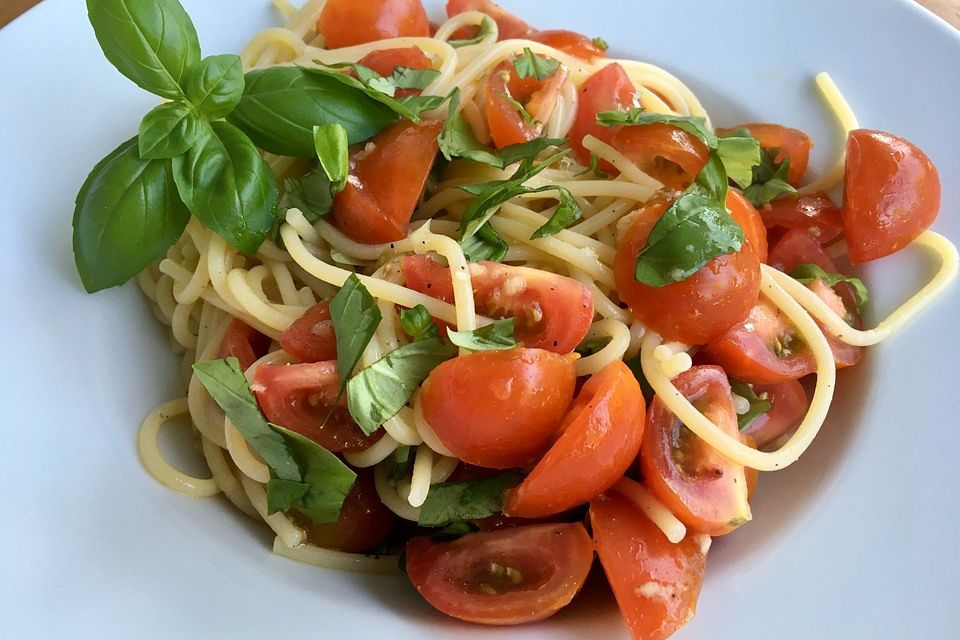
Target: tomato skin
{"type": "Point", "coordinates": [344, 23]}
{"type": "Point", "coordinates": [600, 438]}
{"type": "Point", "coordinates": [891, 194]}
{"type": "Point", "coordinates": [656, 583]}
{"type": "Point", "coordinates": [792, 143]}
{"type": "Point", "coordinates": [576, 44]}
{"type": "Point", "coordinates": [539, 97]}
{"type": "Point", "coordinates": [707, 492]}
{"type": "Point", "coordinates": [509, 25]}
{"type": "Point", "coordinates": [533, 572]}
{"type": "Point", "coordinates": [609, 89]}
{"type": "Point", "coordinates": [311, 338]}
{"type": "Point", "coordinates": [671, 155]}
{"type": "Point", "coordinates": [385, 61]}
{"type": "Point", "coordinates": [386, 182]}
{"type": "Point", "coordinates": [789, 400]}
{"type": "Point", "coordinates": [745, 215]}
{"type": "Point", "coordinates": [553, 312]}
{"type": "Point", "coordinates": [243, 342]}
{"type": "Point", "coordinates": [300, 397]}
{"type": "Point", "coordinates": [364, 521]}
{"type": "Point", "coordinates": [499, 409]}
{"type": "Point", "coordinates": [698, 309]}
{"type": "Point", "coordinates": [816, 214]}
{"type": "Point", "coordinates": [796, 248]}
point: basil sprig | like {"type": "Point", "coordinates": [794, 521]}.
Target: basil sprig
{"type": "Point", "coordinates": [758, 405]}
{"type": "Point", "coordinates": [808, 272]}
{"type": "Point", "coordinates": [496, 336]}
{"type": "Point", "coordinates": [453, 502]}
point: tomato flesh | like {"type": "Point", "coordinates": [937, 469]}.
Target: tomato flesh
{"type": "Point", "coordinates": [609, 89]}
{"type": "Point", "coordinates": [509, 25]}
{"type": "Point", "coordinates": [815, 214]}
{"type": "Point", "coordinates": [311, 338]}
{"type": "Point", "coordinates": [243, 342]}
{"type": "Point", "coordinates": [503, 577]}
{"type": "Point", "coordinates": [576, 44]}
{"type": "Point", "coordinates": [499, 409]}
{"type": "Point", "coordinates": [745, 215]}
{"type": "Point", "coordinates": [344, 23]}
{"type": "Point", "coordinates": [669, 154]}
{"type": "Point", "coordinates": [789, 406]}
{"type": "Point", "coordinates": [791, 144]}
{"type": "Point", "coordinates": [506, 123]}
{"type": "Point", "coordinates": [600, 438]}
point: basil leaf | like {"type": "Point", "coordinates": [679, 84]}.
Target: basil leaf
{"type": "Point", "coordinates": [769, 181]}
{"type": "Point", "coordinates": [486, 28]}
{"type": "Point", "coordinates": [485, 244]}
{"type": "Point", "coordinates": [311, 194]}
{"type": "Point", "coordinates": [168, 130]}
{"type": "Point", "coordinates": [227, 185]}
{"type": "Point", "coordinates": [380, 390]}
{"type": "Point", "coordinates": [418, 323]}
{"type": "Point", "coordinates": [151, 42]}
{"type": "Point", "coordinates": [527, 150]}
{"type": "Point", "coordinates": [711, 182]}
{"type": "Point", "coordinates": [808, 272]}
{"type": "Point", "coordinates": [400, 463]}
{"type": "Point", "coordinates": [739, 156]}
{"type": "Point", "coordinates": [566, 213]}
{"type": "Point", "coordinates": [529, 64]}
{"type": "Point", "coordinates": [450, 502]}
{"type": "Point", "coordinates": [282, 494]}
{"type": "Point", "coordinates": [281, 105]}
{"type": "Point", "coordinates": [410, 78]}
{"type": "Point", "coordinates": [600, 43]}
{"type": "Point", "coordinates": [228, 387]}
{"type": "Point", "coordinates": [330, 143]}
{"type": "Point", "coordinates": [455, 530]}
{"type": "Point", "coordinates": [521, 110]}
{"type": "Point", "coordinates": [758, 405]}
{"type": "Point", "coordinates": [639, 116]}
{"type": "Point", "coordinates": [341, 258]}
{"type": "Point", "coordinates": [594, 168]}
{"type": "Point", "coordinates": [637, 370]}
{"type": "Point", "coordinates": [215, 85]}
{"type": "Point", "coordinates": [592, 346]}
{"type": "Point", "coordinates": [127, 215]}
{"type": "Point", "coordinates": [409, 107]}
{"type": "Point", "coordinates": [355, 317]}
{"type": "Point", "coordinates": [497, 336]}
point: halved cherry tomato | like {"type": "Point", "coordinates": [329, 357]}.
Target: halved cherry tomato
{"type": "Point", "coordinates": [609, 89]}
{"type": "Point", "coordinates": [363, 524]}
{"type": "Point", "coordinates": [789, 405]}
{"type": "Point", "coordinates": [509, 25]}
{"type": "Point", "coordinates": [243, 342]}
{"type": "Point", "coordinates": [301, 398]}
{"type": "Point", "coordinates": [816, 214]}
{"type": "Point", "coordinates": [791, 143]}
{"type": "Point", "coordinates": [698, 309]}
{"type": "Point", "coordinates": [669, 154]}
{"type": "Point", "coordinates": [797, 247]}
{"type": "Point", "coordinates": [655, 581]}
{"type": "Point", "coordinates": [385, 61]}
{"type": "Point", "coordinates": [502, 577]}
{"type": "Point", "coordinates": [576, 44]}
{"type": "Point", "coordinates": [552, 312]}
{"type": "Point", "coordinates": [499, 409]}
{"type": "Point", "coordinates": [386, 182]}
{"type": "Point", "coordinates": [707, 492]}
{"type": "Point", "coordinates": [344, 23]}
{"type": "Point", "coordinates": [507, 124]}
{"type": "Point", "coordinates": [891, 194]}
{"type": "Point", "coordinates": [598, 440]}
{"type": "Point", "coordinates": [745, 215]}
{"type": "Point", "coordinates": [311, 337]}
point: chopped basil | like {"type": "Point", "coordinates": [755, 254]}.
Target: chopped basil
{"type": "Point", "coordinates": [758, 405]}
{"type": "Point", "coordinates": [529, 64]}
{"type": "Point", "coordinates": [453, 502]}
{"type": "Point", "coordinates": [594, 168]}
{"type": "Point", "coordinates": [566, 213]}
{"type": "Point", "coordinates": [341, 258]}
{"type": "Point", "coordinates": [769, 180]}
{"type": "Point", "coordinates": [311, 194]}
{"type": "Point", "coordinates": [330, 142]}
{"type": "Point", "coordinates": [418, 323]}
{"type": "Point", "coordinates": [400, 463]}
{"type": "Point", "coordinates": [486, 28]}
{"type": "Point", "coordinates": [485, 244]}
{"type": "Point", "coordinates": [739, 157]}
{"type": "Point", "coordinates": [401, 78]}
{"type": "Point", "coordinates": [808, 272]}
{"type": "Point", "coordinates": [521, 110]}
{"type": "Point", "coordinates": [600, 43]}
{"type": "Point", "coordinates": [497, 336]}
{"type": "Point", "coordinates": [383, 89]}
{"type": "Point", "coordinates": [355, 317]}
{"type": "Point", "coordinates": [592, 346]}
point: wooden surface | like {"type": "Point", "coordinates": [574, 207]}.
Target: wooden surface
{"type": "Point", "coordinates": [947, 9]}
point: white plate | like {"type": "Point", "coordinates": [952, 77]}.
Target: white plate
{"type": "Point", "coordinates": [856, 540]}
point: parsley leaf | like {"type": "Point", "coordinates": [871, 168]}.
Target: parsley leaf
{"type": "Point", "coordinates": [418, 323]}
{"type": "Point", "coordinates": [808, 272]}
{"type": "Point", "coordinates": [529, 64]}
{"type": "Point", "coordinates": [486, 28]}
{"type": "Point", "coordinates": [355, 316]}
{"type": "Point", "coordinates": [330, 142]}
{"type": "Point", "coordinates": [758, 405]}
{"type": "Point", "coordinates": [452, 502]}
{"type": "Point", "coordinates": [497, 336]}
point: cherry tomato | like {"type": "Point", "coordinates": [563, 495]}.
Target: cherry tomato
{"type": "Point", "coordinates": [599, 439]}
{"type": "Point", "coordinates": [789, 406]}
{"type": "Point", "coordinates": [386, 61]}
{"type": "Point", "coordinates": [745, 215]}
{"type": "Point", "coordinates": [707, 492]}
{"type": "Point", "coordinates": [243, 342]}
{"type": "Point", "coordinates": [552, 312]}
{"type": "Point", "coordinates": [698, 309]}
{"type": "Point", "coordinates": [364, 521]}
{"type": "Point", "coordinates": [671, 155]}
{"type": "Point", "coordinates": [797, 247]}
{"type": "Point", "coordinates": [576, 44]}
{"type": "Point", "coordinates": [510, 26]}
{"type": "Point", "coordinates": [891, 194]}
{"type": "Point", "coordinates": [311, 337]}
{"type": "Point", "coordinates": [815, 214]}
{"type": "Point", "coordinates": [499, 409]}
{"type": "Point", "coordinates": [504, 88]}
{"type": "Point", "coordinates": [609, 89]}
{"type": "Point", "coordinates": [344, 23]}
{"type": "Point", "coordinates": [655, 581]}
{"type": "Point", "coordinates": [301, 398]}
{"type": "Point", "coordinates": [790, 143]}
{"type": "Point", "coordinates": [386, 182]}
{"type": "Point", "coordinates": [510, 576]}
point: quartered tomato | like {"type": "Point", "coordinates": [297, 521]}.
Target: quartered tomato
{"type": "Point", "coordinates": [609, 89]}
{"type": "Point", "coordinates": [509, 25]}
{"type": "Point", "coordinates": [364, 521]}
{"type": "Point", "coordinates": [891, 194]}
{"type": "Point", "coordinates": [598, 440]}
{"type": "Point", "coordinates": [815, 214]}
{"type": "Point", "coordinates": [499, 409]}
{"type": "Point", "coordinates": [302, 397]}
{"type": "Point", "coordinates": [509, 124]}
{"type": "Point", "coordinates": [707, 492]}
{"type": "Point", "coordinates": [697, 309]}
{"type": "Point", "coordinates": [510, 576]}
{"type": "Point", "coordinates": [243, 342]}
{"type": "Point", "coordinates": [576, 44]}
{"type": "Point", "coordinates": [791, 144]}
{"type": "Point", "coordinates": [348, 22]}
{"type": "Point", "coordinates": [552, 312]}
{"type": "Point", "coordinates": [789, 406]}
{"type": "Point", "coordinates": [386, 182]}
{"type": "Point", "coordinates": [655, 581]}
{"type": "Point", "coordinates": [311, 337]}
{"type": "Point", "coordinates": [665, 152]}
{"type": "Point", "coordinates": [745, 215]}
{"type": "Point", "coordinates": [386, 61]}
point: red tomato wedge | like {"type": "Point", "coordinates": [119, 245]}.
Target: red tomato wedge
{"type": "Point", "coordinates": [791, 144]}
{"type": "Point", "coordinates": [665, 152]}
{"type": "Point", "coordinates": [505, 89]}
{"type": "Point", "coordinates": [656, 582]}
{"type": "Point", "coordinates": [499, 409]}
{"type": "Point", "coordinates": [707, 492]}
{"type": "Point", "coordinates": [311, 337]}
{"type": "Point", "coordinates": [576, 44]}
{"type": "Point", "coordinates": [386, 182]}
{"type": "Point", "coordinates": [696, 310]}
{"type": "Point", "coordinates": [301, 398]}
{"type": "Point", "coordinates": [599, 439]}
{"type": "Point", "coordinates": [745, 215]}
{"type": "Point", "coordinates": [891, 194]}
{"type": "Point", "coordinates": [344, 23]}
{"type": "Point", "coordinates": [552, 312]}
{"type": "Point", "coordinates": [789, 406]}
{"type": "Point", "coordinates": [509, 25]}
{"type": "Point", "coordinates": [815, 214]}
{"type": "Point", "coordinates": [609, 89]}
{"type": "Point", "coordinates": [510, 576]}
{"type": "Point", "coordinates": [243, 342]}
{"type": "Point", "coordinates": [386, 61]}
